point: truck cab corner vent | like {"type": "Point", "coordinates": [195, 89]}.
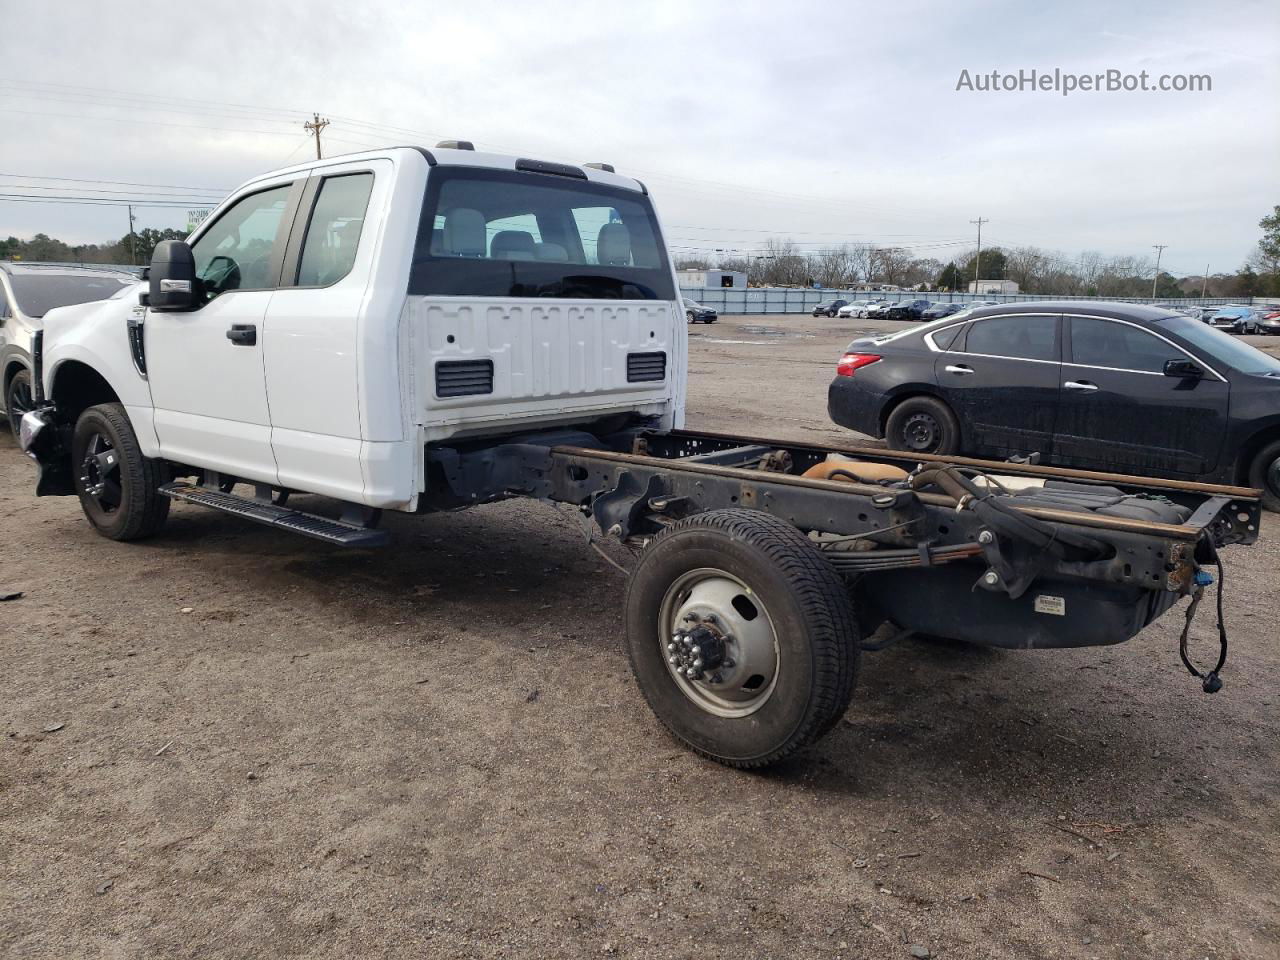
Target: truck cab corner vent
{"type": "Point", "coordinates": [463, 378]}
{"type": "Point", "coordinates": [646, 367]}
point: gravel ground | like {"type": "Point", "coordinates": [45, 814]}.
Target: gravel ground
{"type": "Point", "coordinates": [226, 742]}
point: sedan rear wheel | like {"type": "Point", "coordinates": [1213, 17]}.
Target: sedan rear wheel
{"type": "Point", "coordinates": [923, 425]}
{"type": "Point", "coordinates": [1264, 473]}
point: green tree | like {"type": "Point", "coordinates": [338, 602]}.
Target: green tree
{"type": "Point", "coordinates": [144, 242]}
{"type": "Point", "coordinates": [1167, 286]}
{"type": "Point", "coordinates": [1247, 283]}
{"type": "Point", "coordinates": [949, 278]}
{"type": "Point", "coordinates": [993, 265]}
{"type": "Point", "coordinates": [1270, 242]}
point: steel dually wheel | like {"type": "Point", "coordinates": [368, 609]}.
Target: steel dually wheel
{"type": "Point", "coordinates": [742, 636]}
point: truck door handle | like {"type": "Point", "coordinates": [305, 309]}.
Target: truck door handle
{"type": "Point", "coordinates": [960, 368]}
{"type": "Point", "coordinates": [243, 334]}
{"type": "Point", "coordinates": [1080, 385]}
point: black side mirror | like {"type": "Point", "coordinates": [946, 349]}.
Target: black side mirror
{"type": "Point", "coordinates": [174, 285]}
{"type": "Point", "coordinates": [1185, 369]}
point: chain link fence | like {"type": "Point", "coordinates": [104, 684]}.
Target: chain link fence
{"type": "Point", "coordinates": [803, 300]}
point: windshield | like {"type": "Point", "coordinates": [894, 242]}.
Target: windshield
{"type": "Point", "coordinates": [1221, 346]}
{"type": "Point", "coordinates": [500, 233]}
{"type": "Point", "coordinates": [37, 294]}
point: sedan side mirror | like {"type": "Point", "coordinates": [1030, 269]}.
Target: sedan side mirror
{"type": "Point", "coordinates": [1186, 369]}
{"type": "Point", "coordinates": [174, 285]}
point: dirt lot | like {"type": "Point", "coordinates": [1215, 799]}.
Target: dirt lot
{"type": "Point", "coordinates": [230, 743]}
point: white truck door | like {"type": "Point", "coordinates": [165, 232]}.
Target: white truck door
{"type": "Point", "coordinates": [313, 330]}
{"type": "Point", "coordinates": [205, 366]}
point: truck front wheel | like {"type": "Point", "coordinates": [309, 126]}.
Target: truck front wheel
{"type": "Point", "coordinates": [742, 636]}
{"type": "Point", "coordinates": [118, 487]}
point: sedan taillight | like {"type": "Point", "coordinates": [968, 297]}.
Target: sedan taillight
{"type": "Point", "coordinates": [852, 362]}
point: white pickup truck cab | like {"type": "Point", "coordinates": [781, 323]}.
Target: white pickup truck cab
{"type": "Point", "coordinates": [421, 330]}
{"type": "Point", "coordinates": [345, 313]}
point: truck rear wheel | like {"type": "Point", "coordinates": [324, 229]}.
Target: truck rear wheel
{"type": "Point", "coordinates": [118, 487]}
{"type": "Point", "coordinates": [742, 637]}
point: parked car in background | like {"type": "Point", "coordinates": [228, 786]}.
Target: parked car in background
{"type": "Point", "coordinates": [852, 308]}
{"type": "Point", "coordinates": [1270, 323]}
{"type": "Point", "coordinates": [878, 309]}
{"type": "Point", "coordinates": [829, 308]}
{"type": "Point", "coordinates": [875, 303]}
{"type": "Point", "coordinates": [1235, 318]}
{"type": "Point", "coordinates": [940, 310]}
{"type": "Point", "coordinates": [27, 292]}
{"type": "Point", "coordinates": [905, 310]}
{"type": "Point", "coordinates": [695, 312]}
{"type": "Point", "coordinates": [1103, 386]}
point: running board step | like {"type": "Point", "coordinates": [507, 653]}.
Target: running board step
{"type": "Point", "coordinates": [295, 521]}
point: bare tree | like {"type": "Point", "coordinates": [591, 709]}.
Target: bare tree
{"type": "Point", "coordinates": [889, 265]}
{"type": "Point", "coordinates": [834, 266]}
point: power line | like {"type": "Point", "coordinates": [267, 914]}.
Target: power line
{"type": "Point", "coordinates": [101, 201]}
{"type": "Point", "coordinates": [119, 183]}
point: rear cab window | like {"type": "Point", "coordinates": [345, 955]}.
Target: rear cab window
{"type": "Point", "coordinates": [500, 233]}
{"type": "Point", "coordinates": [333, 235]}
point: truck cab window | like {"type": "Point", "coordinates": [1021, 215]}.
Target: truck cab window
{"type": "Point", "coordinates": [237, 251]}
{"type": "Point", "coordinates": [329, 250]}
{"type": "Point", "coordinates": [492, 233]}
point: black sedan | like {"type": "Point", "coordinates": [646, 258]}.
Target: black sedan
{"type": "Point", "coordinates": [695, 312]}
{"type": "Point", "coordinates": [1102, 386]}
{"type": "Point", "coordinates": [829, 308]}
{"type": "Point", "coordinates": [940, 310]}
{"type": "Point", "coordinates": [906, 310]}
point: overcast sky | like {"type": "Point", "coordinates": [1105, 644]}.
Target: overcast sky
{"type": "Point", "coordinates": [824, 122]}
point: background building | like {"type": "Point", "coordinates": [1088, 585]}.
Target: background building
{"type": "Point", "coordinates": [992, 286]}
{"type": "Point", "coordinates": [711, 279]}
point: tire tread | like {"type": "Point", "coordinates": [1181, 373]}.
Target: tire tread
{"type": "Point", "coordinates": [827, 607]}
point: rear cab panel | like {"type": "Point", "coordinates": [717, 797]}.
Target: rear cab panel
{"type": "Point", "coordinates": [539, 295]}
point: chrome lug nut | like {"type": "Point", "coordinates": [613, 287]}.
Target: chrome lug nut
{"type": "Point", "coordinates": [991, 578]}
{"type": "Point", "coordinates": [986, 536]}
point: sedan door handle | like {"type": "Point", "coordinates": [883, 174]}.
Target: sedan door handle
{"type": "Point", "coordinates": [243, 334]}
{"type": "Point", "coordinates": [1080, 385]}
{"type": "Point", "coordinates": [960, 368]}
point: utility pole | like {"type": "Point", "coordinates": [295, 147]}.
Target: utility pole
{"type": "Point", "coordinates": [133, 249]}
{"type": "Point", "coordinates": [977, 260]}
{"type": "Point", "coordinates": [1159, 249]}
{"type": "Point", "coordinates": [1204, 285]}
{"type": "Point", "coordinates": [314, 126]}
